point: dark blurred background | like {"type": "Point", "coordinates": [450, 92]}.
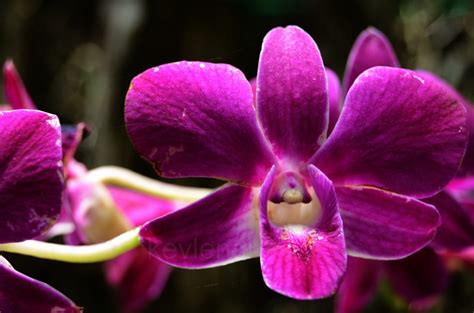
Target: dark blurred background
{"type": "Point", "coordinates": [78, 57]}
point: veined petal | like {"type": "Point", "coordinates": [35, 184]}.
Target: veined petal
{"type": "Point", "coordinates": [22, 294]}
{"type": "Point", "coordinates": [138, 277]}
{"type": "Point", "coordinates": [15, 92]}
{"type": "Point", "coordinates": [197, 119]}
{"type": "Point", "coordinates": [219, 229]}
{"type": "Point", "coordinates": [457, 229]}
{"type": "Point", "coordinates": [370, 49]}
{"type": "Point", "coordinates": [359, 285]}
{"type": "Point", "coordinates": [383, 225]}
{"type": "Point", "coordinates": [306, 263]}
{"type": "Point", "coordinates": [419, 278]}
{"type": "Point", "coordinates": [334, 92]}
{"type": "Point", "coordinates": [397, 131]}
{"type": "Point", "coordinates": [31, 181]}
{"type": "Point", "coordinates": [292, 97]}
{"type": "Point", "coordinates": [467, 166]}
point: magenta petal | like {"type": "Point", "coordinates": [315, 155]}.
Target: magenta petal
{"type": "Point", "coordinates": [383, 225]}
{"type": "Point", "coordinates": [457, 229]}
{"type": "Point", "coordinates": [467, 166]}
{"type": "Point", "coordinates": [334, 92]}
{"type": "Point", "coordinates": [359, 285]}
{"type": "Point", "coordinates": [419, 278]}
{"type": "Point", "coordinates": [22, 294]}
{"type": "Point", "coordinates": [139, 278]}
{"type": "Point", "coordinates": [140, 208]}
{"type": "Point", "coordinates": [194, 119]}
{"type": "Point", "coordinates": [218, 229]}
{"type": "Point", "coordinates": [292, 98]}
{"type": "Point", "coordinates": [371, 49]}
{"type": "Point", "coordinates": [308, 263]}
{"type": "Point", "coordinates": [31, 181]}
{"type": "Point", "coordinates": [397, 131]}
{"type": "Point", "coordinates": [15, 92]}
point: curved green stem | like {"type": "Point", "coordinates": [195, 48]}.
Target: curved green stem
{"type": "Point", "coordinates": [76, 254]}
{"type": "Point", "coordinates": [113, 175]}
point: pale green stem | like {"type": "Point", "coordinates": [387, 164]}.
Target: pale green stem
{"type": "Point", "coordinates": [113, 175]}
{"type": "Point", "coordinates": [76, 254]}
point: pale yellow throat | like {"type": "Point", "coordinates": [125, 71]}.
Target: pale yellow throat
{"type": "Point", "coordinates": [292, 211]}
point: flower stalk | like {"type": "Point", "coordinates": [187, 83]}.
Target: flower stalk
{"type": "Point", "coordinates": [76, 254]}
{"type": "Point", "coordinates": [121, 177]}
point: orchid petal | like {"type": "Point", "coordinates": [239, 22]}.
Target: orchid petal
{"type": "Point", "coordinates": [31, 181]}
{"type": "Point", "coordinates": [383, 225]}
{"type": "Point", "coordinates": [140, 208]}
{"type": "Point", "coordinates": [194, 119]}
{"type": "Point", "coordinates": [467, 166]}
{"type": "Point", "coordinates": [139, 278]}
{"type": "Point", "coordinates": [309, 263]}
{"type": "Point", "coordinates": [359, 285]}
{"type": "Point", "coordinates": [420, 278]}
{"type": "Point", "coordinates": [334, 92]}
{"type": "Point", "coordinates": [15, 92]}
{"type": "Point", "coordinates": [370, 49]}
{"type": "Point", "coordinates": [216, 230]}
{"type": "Point", "coordinates": [22, 294]}
{"type": "Point", "coordinates": [457, 229]}
{"type": "Point", "coordinates": [292, 97]}
{"type": "Point", "coordinates": [397, 131]}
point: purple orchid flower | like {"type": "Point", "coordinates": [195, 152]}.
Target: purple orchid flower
{"type": "Point", "coordinates": [399, 136]}
{"type": "Point", "coordinates": [30, 196]}
{"type": "Point", "coordinates": [420, 278]}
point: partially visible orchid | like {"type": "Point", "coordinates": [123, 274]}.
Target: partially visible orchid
{"type": "Point", "coordinates": [420, 278]}
{"type": "Point", "coordinates": [101, 212]}
{"type": "Point", "coordinates": [31, 185]}
{"type": "Point", "coordinates": [295, 198]}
